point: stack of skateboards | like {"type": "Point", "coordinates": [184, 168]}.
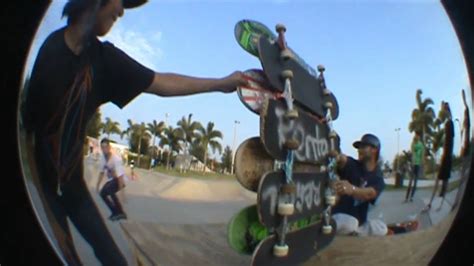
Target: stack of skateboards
{"type": "Point", "coordinates": [289, 165]}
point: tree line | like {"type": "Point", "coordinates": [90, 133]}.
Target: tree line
{"type": "Point", "coordinates": [162, 143]}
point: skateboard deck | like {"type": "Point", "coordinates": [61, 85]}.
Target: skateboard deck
{"type": "Point", "coordinates": [312, 134]}
{"type": "Point", "coordinates": [245, 232]}
{"type": "Point", "coordinates": [309, 198]}
{"type": "Point", "coordinates": [247, 33]}
{"type": "Point", "coordinates": [238, 230]}
{"type": "Point", "coordinates": [252, 161]}
{"type": "Point", "coordinates": [306, 89]}
{"type": "Point", "coordinates": [303, 244]}
{"type": "Point", "coordinates": [403, 227]}
{"type": "Point", "coordinates": [258, 89]}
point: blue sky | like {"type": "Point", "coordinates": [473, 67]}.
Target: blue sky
{"type": "Point", "coordinates": [376, 54]}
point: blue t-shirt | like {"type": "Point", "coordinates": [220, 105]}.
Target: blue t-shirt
{"type": "Point", "coordinates": [355, 172]}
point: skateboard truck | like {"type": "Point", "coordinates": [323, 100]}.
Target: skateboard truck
{"type": "Point", "coordinates": [330, 194]}
{"type": "Point", "coordinates": [327, 228]}
{"type": "Point", "coordinates": [286, 207]}
{"type": "Point", "coordinates": [322, 82]}
{"type": "Point", "coordinates": [287, 75]}
{"type": "Point", "coordinates": [285, 52]}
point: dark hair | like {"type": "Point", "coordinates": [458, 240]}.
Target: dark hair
{"type": "Point", "coordinates": [105, 140]}
{"type": "Point", "coordinates": [73, 9]}
{"type": "Point", "coordinates": [446, 106]}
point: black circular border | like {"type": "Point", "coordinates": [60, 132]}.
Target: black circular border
{"type": "Point", "coordinates": [22, 241]}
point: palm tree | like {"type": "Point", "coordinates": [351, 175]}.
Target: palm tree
{"type": "Point", "coordinates": [227, 159]}
{"type": "Point", "coordinates": [139, 138]}
{"type": "Point", "coordinates": [189, 129]}
{"type": "Point", "coordinates": [422, 117]}
{"type": "Point", "coordinates": [111, 127]}
{"type": "Point", "coordinates": [171, 138]}
{"type": "Point", "coordinates": [155, 129]}
{"type": "Point", "coordinates": [127, 131]}
{"type": "Point", "coordinates": [143, 134]}
{"type": "Point", "coordinates": [207, 137]}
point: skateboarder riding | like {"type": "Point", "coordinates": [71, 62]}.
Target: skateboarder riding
{"type": "Point", "coordinates": [361, 182]}
{"type": "Point", "coordinates": [112, 166]}
{"type": "Point", "coordinates": [74, 73]}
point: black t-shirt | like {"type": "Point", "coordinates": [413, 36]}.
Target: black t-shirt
{"type": "Point", "coordinates": [356, 173]}
{"type": "Point", "coordinates": [64, 92]}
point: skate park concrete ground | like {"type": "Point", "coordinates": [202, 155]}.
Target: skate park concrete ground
{"type": "Point", "coordinates": [182, 221]}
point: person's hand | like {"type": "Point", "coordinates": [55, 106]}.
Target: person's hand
{"type": "Point", "coordinates": [343, 187]}
{"type": "Point", "coordinates": [231, 82]}
{"type": "Point", "coordinates": [121, 182]}
{"type": "Point", "coordinates": [333, 153]}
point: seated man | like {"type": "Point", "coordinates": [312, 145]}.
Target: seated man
{"type": "Point", "coordinates": [361, 182]}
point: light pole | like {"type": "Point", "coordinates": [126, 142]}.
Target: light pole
{"type": "Point", "coordinates": [233, 146]}
{"type": "Point", "coordinates": [166, 119]}
{"type": "Point", "coordinates": [398, 147]}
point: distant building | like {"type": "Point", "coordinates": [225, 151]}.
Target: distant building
{"type": "Point", "coordinates": [189, 162]}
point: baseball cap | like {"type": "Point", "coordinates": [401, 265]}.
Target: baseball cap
{"type": "Point", "coordinates": [133, 3]}
{"type": "Point", "coordinates": [367, 139]}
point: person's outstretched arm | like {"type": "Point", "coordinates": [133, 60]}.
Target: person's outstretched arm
{"type": "Point", "coordinates": [171, 84]}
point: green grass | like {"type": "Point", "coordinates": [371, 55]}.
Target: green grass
{"type": "Point", "coordinates": [192, 174]}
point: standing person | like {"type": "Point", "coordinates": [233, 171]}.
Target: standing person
{"type": "Point", "coordinates": [361, 182]}
{"type": "Point", "coordinates": [466, 129]}
{"type": "Point", "coordinates": [112, 167]}
{"type": "Point", "coordinates": [444, 172]}
{"type": "Point", "coordinates": [418, 151]}
{"type": "Point", "coordinates": [74, 73]}
{"type": "Point", "coordinates": [465, 152]}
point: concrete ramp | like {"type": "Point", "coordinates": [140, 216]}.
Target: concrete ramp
{"type": "Point", "coordinates": [170, 244]}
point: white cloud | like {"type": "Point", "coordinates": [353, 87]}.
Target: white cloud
{"type": "Point", "coordinates": [141, 47]}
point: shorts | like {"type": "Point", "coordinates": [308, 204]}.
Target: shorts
{"type": "Point", "coordinates": [349, 225]}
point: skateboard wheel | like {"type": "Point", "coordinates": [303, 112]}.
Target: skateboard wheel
{"type": "Point", "coordinates": [323, 169]}
{"type": "Point", "coordinates": [287, 74]}
{"type": "Point", "coordinates": [286, 209]}
{"type": "Point", "coordinates": [286, 54]}
{"type": "Point", "coordinates": [292, 144]}
{"type": "Point", "coordinates": [327, 229]}
{"type": "Point", "coordinates": [321, 68]}
{"type": "Point", "coordinates": [288, 189]}
{"type": "Point", "coordinates": [280, 251]}
{"type": "Point", "coordinates": [292, 114]}
{"type": "Point", "coordinates": [326, 92]}
{"type": "Point", "coordinates": [328, 105]}
{"type": "Point", "coordinates": [331, 200]}
{"type": "Point", "coordinates": [280, 27]}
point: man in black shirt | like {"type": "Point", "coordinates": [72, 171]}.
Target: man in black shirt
{"type": "Point", "coordinates": [444, 172]}
{"type": "Point", "coordinates": [73, 75]}
{"type": "Point", "coordinates": [361, 182]}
